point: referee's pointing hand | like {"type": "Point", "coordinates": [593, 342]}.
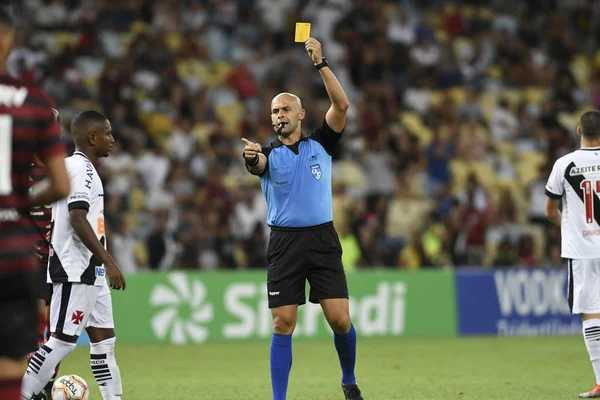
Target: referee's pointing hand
{"type": "Point", "coordinates": [251, 149]}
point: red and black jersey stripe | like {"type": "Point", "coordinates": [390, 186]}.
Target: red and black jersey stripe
{"type": "Point", "coordinates": [34, 130]}
{"type": "Point", "coordinates": [41, 216]}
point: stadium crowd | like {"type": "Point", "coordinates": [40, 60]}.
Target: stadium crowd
{"type": "Point", "coordinates": [458, 110]}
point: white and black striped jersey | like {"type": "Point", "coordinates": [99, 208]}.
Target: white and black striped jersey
{"type": "Point", "coordinates": [575, 179]}
{"type": "Point", "coordinates": [70, 260]}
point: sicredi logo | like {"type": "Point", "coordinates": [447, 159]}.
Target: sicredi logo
{"type": "Point", "coordinates": [185, 311]}
{"type": "Point", "coordinates": [168, 322]}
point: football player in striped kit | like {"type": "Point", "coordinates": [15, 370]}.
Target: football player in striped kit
{"type": "Point", "coordinates": [42, 216]}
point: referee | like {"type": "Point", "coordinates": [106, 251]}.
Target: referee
{"type": "Point", "coordinates": [295, 176]}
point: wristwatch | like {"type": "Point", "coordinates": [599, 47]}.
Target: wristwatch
{"type": "Point", "coordinates": [323, 63]}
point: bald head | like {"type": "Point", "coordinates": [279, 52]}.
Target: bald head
{"type": "Point", "coordinates": [287, 112]}
{"type": "Point", "coordinates": [287, 98]}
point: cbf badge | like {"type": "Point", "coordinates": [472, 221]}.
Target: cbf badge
{"type": "Point", "coordinates": [315, 170]}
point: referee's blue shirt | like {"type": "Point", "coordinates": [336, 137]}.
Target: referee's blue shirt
{"type": "Point", "coordinates": [297, 180]}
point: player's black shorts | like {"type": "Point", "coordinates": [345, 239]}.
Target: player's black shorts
{"type": "Point", "coordinates": [295, 255]}
{"type": "Point", "coordinates": [44, 289]}
{"type": "Point", "coordinates": [18, 313]}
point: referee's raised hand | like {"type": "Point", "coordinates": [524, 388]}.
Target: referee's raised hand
{"type": "Point", "coordinates": [313, 48]}
{"type": "Point", "coordinates": [251, 149]}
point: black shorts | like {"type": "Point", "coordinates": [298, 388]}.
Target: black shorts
{"type": "Point", "coordinates": [44, 289]}
{"type": "Point", "coordinates": [295, 255]}
{"type": "Point", "coordinates": [18, 313]}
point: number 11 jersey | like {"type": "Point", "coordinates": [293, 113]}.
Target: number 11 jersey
{"type": "Point", "coordinates": [70, 259]}
{"type": "Point", "coordinates": [575, 179]}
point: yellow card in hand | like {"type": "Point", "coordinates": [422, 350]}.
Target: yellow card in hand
{"type": "Point", "coordinates": [302, 31]}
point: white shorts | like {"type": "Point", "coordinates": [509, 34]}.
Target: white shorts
{"type": "Point", "coordinates": [76, 306]}
{"type": "Point", "coordinates": [584, 286]}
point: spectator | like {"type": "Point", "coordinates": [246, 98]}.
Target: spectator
{"type": "Point", "coordinates": [450, 106]}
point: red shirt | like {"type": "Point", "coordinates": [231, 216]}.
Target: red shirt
{"type": "Point", "coordinates": [27, 127]}
{"type": "Point", "coordinates": [41, 216]}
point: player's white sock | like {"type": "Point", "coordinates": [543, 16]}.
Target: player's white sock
{"type": "Point", "coordinates": [42, 364]}
{"type": "Point", "coordinates": [105, 369]}
{"type": "Point", "coordinates": [591, 335]}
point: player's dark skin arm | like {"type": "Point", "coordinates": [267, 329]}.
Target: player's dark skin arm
{"type": "Point", "coordinates": [552, 211]}
{"type": "Point", "coordinates": [107, 235]}
{"type": "Point", "coordinates": [56, 186]}
{"type": "Point", "coordinates": [81, 226]}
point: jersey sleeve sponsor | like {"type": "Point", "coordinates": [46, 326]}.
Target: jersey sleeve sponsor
{"type": "Point", "coordinates": [81, 176]}
{"type": "Point", "coordinates": [555, 186]}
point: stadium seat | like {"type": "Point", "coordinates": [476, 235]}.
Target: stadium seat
{"type": "Point", "coordinates": [137, 200]}
{"type": "Point", "coordinates": [157, 124]}
{"type": "Point", "coordinates": [63, 39]}
{"type": "Point", "coordinates": [460, 170]}
{"type": "Point", "coordinates": [90, 81]}
{"type": "Point", "coordinates": [414, 124]}
{"type": "Point", "coordinates": [174, 41]}
{"type": "Point", "coordinates": [505, 148]}
{"type": "Point", "coordinates": [490, 253]}
{"type": "Point", "coordinates": [488, 101]}
{"type": "Point", "coordinates": [485, 174]}
{"type": "Point", "coordinates": [349, 173]}
{"type": "Point", "coordinates": [527, 171]}
{"type": "Point", "coordinates": [536, 95]}
{"type": "Point", "coordinates": [568, 121]}
{"type": "Point", "coordinates": [230, 115]}
{"type": "Point", "coordinates": [581, 69]}
{"type": "Point", "coordinates": [436, 97]}
{"type": "Point", "coordinates": [219, 71]}
{"type": "Point", "coordinates": [202, 131]}
{"type": "Point", "coordinates": [535, 157]}
{"type": "Point", "coordinates": [539, 240]}
{"type": "Point", "coordinates": [458, 95]}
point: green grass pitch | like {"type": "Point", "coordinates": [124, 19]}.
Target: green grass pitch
{"type": "Point", "coordinates": [473, 368]}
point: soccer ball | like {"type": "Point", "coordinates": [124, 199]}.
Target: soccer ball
{"type": "Point", "coordinates": [70, 387]}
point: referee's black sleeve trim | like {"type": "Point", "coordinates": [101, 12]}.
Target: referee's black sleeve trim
{"type": "Point", "coordinates": [79, 205]}
{"type": "Point", "coordinates": [326, 136]}
{"type": "Point", "coordinates": [553, 195]}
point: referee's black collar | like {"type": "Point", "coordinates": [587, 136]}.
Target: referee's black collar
{"type": "Point", "coordinates": [278, 143]}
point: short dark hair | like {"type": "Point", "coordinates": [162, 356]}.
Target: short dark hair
{"type": "Point", "coordinates": [590, 124]}
{"type": "Point", "coordinates": [84, 119]}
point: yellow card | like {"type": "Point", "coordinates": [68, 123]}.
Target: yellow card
{"type": "Point", "coordinates": [302, 31]}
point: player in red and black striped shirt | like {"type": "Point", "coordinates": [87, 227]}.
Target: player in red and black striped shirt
{"type": "Point", "coordinates": [42, 217]}
{"type": "Point", "coordinates": [27, 127]}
